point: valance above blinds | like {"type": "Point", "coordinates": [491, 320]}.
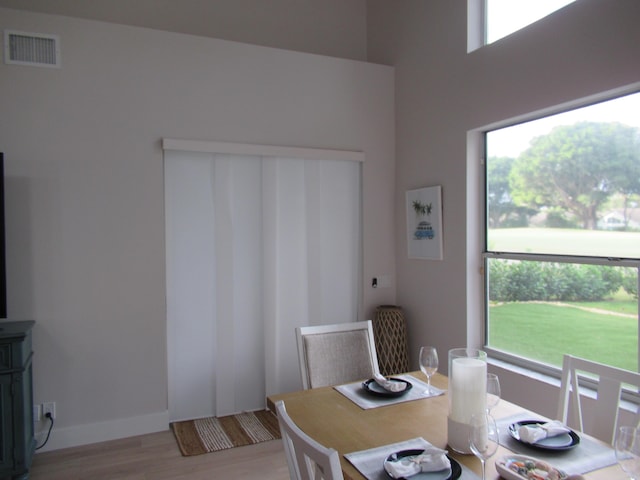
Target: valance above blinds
{"type": "Point", "coordinates": [306, 153]}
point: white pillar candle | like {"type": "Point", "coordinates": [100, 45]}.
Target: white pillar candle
{"type": "Point", "coordinates": [468, 388]}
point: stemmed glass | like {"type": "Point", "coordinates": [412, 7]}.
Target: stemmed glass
{"type": "Point", "coordinates": [493, 391]}
{"type": "Point", "coordinates": [483, 438]}
{"type": "Point", "coordinates": [428, 364]}
{"type": "Point", "coordinates": [628, 451]}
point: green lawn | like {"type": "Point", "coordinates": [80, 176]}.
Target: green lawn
{"type": "Point", "coordinates": [626, 305]}
{"type": "Point", "coordinates": [545, 331]}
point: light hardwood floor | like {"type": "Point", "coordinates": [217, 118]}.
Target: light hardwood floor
{"type": "Point", "coordinates": [156, 457]}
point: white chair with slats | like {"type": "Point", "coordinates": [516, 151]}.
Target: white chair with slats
{"type": "Point", "coordinates": [336, 354]}
{"type": "Point", "coordinates": [307, 459]}
{"type": "Point", "coordinates": [603, 422]}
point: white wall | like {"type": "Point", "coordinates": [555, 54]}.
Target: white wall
{"type": "Point", "coordinates": [442, 93]}
{"type": "Point", "coordinates": [84, 196]}
{"type": "Point", "coordinates": [326, 27]}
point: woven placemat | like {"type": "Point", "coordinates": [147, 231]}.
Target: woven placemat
{"type": "Point", "coordinates": [205, 435]}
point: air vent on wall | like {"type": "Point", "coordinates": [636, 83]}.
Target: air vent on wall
{"type": "Point", "coordinates": [36, 49]}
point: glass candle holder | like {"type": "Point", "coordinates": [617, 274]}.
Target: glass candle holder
{"type": "Point", "coordinates": [467, 394]}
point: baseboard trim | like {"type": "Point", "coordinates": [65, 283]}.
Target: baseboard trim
{"type": "Point", "coordinates": [86, 434]}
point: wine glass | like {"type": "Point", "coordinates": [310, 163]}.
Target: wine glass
{"type": "Point", "coordinates": [428, 364]}
{"type": "Point", "coordinates": [493, 391]}
{"type": "Point", "coordinates": [628, 451]}
{"type": "Point", "coordinates": [483, 438]}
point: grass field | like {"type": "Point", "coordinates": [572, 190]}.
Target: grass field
{"type": "Point", "coordinates": [544, 332]}
{"type": "Point", "coordinates": [565, 241]}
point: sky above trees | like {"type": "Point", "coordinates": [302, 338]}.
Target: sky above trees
{"type": "Point", "coordinates": [512, 141]}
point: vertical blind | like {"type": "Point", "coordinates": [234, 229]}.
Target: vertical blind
{"type": "Point", "coordinates": [256, 246]}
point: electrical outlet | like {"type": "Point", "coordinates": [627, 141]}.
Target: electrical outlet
{"type": "Point", "coordinates": [49, 407]}
{"type": "Point", "coordinates": [37, 413]}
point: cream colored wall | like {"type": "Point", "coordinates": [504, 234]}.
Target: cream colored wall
{"type": "Point", "coordinates": [327, 27]}
{"type": "Point", "coordinates": [86, 256]}
{"type": "Point", "coordinates": [442, 93]}
{"type": "Point", "coordinates": [84, 197]}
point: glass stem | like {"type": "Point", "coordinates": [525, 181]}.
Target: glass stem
{"type": "Point", "coordinates": [483, 469]}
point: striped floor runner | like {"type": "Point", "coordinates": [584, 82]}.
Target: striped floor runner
{"type": "Point", "coordinates": [211, 434]}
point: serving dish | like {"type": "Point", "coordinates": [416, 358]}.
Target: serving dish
{"type": "Point", "coordinates": [521, 467]}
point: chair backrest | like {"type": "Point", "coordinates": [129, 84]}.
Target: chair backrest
{"type": "Point", "coordinates": [604, 420]}
{"type": "Point", "coordinates": [336, 354]}
{"type": "Point", "coordinates": [307, 459]}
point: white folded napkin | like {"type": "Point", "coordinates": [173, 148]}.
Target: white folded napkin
{"type": "Point", "coordinates": [535, 432]}
{"type": "Point", "coordinates": [433, 459]}
{"type": "Point", "coordinates": [387, 384]}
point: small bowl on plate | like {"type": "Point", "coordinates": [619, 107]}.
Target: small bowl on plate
{"type": "Point", "coordinates": [452, 473]}
{"type": "Point", "coordinates": [564, 441]}
{"type": "Point", "coordinates": [372, 387]}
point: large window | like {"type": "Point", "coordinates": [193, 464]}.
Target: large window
{"type": "Point", "coordinates": [563, 236]}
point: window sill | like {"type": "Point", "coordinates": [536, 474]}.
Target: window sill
{"type": "Point", "coordinates": [527, 372]}
{"type": "Point", "coordinates": [629, 402]}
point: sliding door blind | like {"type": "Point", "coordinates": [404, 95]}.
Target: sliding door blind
{"type": "Point", "coordinates": [255, 247]}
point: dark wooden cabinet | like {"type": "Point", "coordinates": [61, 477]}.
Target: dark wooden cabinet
{"type": "Point", "coordinates": [17, 440]}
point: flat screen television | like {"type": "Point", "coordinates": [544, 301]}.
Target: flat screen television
{"type": "Point", "coordinates": [3, 270]}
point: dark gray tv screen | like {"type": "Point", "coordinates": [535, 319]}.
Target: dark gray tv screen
{"type": "Point", "coordinates": [3, 270]}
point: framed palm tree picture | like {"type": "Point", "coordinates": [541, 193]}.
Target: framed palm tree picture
{"type": "Point", "coordinates": [424, 223]}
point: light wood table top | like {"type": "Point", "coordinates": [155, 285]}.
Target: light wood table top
{"type": "Point", "coordinates": [336, 422]}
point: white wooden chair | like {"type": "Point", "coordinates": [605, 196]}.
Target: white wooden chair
{"type": "Point", "coordinates": [604, 420]}
{"type": "Point", "coordinates": [307, 459]}
{"type": "Point", "coordinates": [336, 354]}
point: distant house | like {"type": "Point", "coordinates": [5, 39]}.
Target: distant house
{"type": "Point", "coordinates": [614, 219]}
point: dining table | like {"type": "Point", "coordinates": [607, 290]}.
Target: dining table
{"type": "Point", "coordinates": [334, 419]}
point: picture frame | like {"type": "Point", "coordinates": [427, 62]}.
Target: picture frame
{"type": "Point", "coordinates": [424, 223]}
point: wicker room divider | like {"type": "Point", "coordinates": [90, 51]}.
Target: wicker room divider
{"type": "Point", "coordinates": [390, 333]}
